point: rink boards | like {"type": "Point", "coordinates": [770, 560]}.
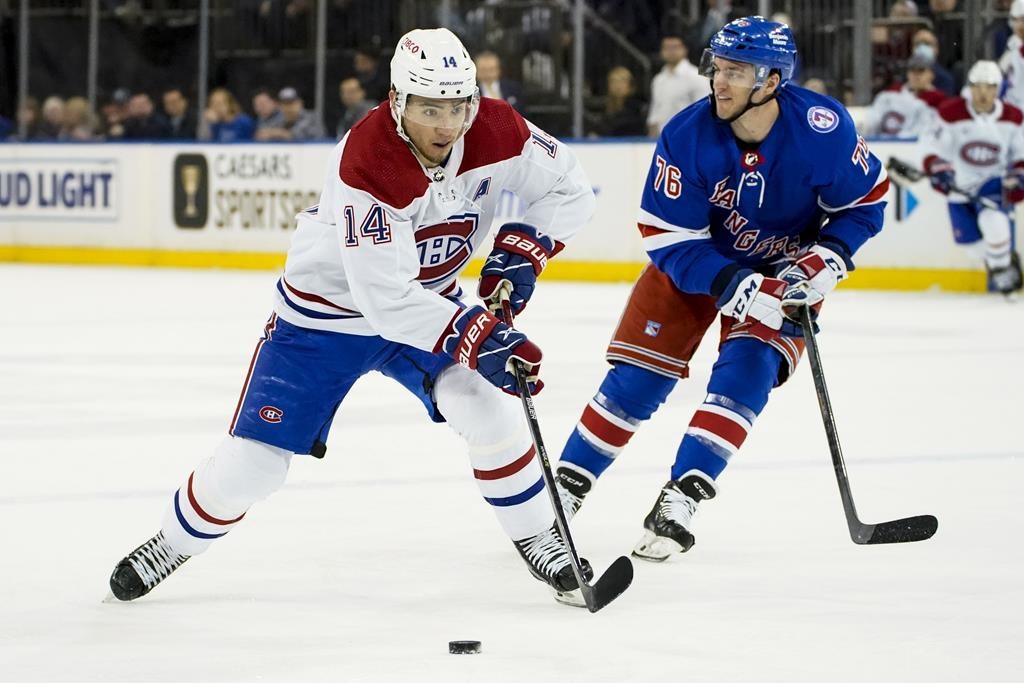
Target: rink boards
{"type": "Point", "coordinates": [232, 206]}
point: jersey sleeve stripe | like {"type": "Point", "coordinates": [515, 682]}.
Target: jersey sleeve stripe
{"type": "Point", "coordinates": [875, 195]}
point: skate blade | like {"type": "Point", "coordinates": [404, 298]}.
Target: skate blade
{"type": "Point", "coordinates": [655, 548]}
{"type": "Point", "coordinates": [571, 598]}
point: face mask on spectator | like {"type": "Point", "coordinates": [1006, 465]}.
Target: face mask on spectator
{"type": "Point", "coordinates": [925, 50]}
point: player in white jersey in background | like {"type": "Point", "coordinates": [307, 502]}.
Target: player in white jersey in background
{"type": "Point", "coordinates": [906, 110]}
{"type": "Point", "coordinates": [371, 284]}
{"type": "Point", "coordinates": [978, 146]}
{"type": "Point", "coordinates": [1012, 60]}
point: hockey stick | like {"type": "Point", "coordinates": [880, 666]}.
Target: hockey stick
{"type": "Point", "coordinates": [914, 174]}
{"type": "Point", "coordinates": [619, 575]}
{"type": "Point", "coordinates": [905, 530]}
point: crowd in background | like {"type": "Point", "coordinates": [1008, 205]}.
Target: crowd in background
{"type": "Point", "coordinates": [617, 102]}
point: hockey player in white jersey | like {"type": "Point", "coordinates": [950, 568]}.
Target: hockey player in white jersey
{"type": "Point", "coordinates": [1012, 59]}
{"type": "Point", "coordinates": [906, 110]}
{"type": "Point", "coordinates": [978, 146]}
{"type": "Point", "coordinates": [371, 284]}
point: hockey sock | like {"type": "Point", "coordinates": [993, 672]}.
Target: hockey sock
{"type": "Point", "coordinates": [627, 396]}
{"type": "Point", "coordinates": [217, 494]}
{"type": "Point", "coordinates": [743, 375]}
{"type": "Point", "coordinates": [995, 229]}
{"type": "Point", "coordinates": [501, 453]}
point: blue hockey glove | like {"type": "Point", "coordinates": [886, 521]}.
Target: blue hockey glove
{"type": "Point", "coordinates": [519, 255]}
{"type": "Point", "coordinates": [481, 342]}
{"type": "Point", "coordinates": [1013, 185]}
{"type": "Point", "coordinates": [940, 174]}
{"type": "Point", "coordinates": [755, 301]}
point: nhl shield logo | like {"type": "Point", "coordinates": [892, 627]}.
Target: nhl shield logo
{"type": "Point", "coordinates": [822, 119]}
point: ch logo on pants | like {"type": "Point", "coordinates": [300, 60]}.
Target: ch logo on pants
{"type": "Point", "coordinates": [271, 414]}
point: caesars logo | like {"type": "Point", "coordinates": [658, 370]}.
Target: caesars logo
{"type": "Point", "coordinates": [191, 190]}
{"type": "Point", "coordinates": [241, 190]}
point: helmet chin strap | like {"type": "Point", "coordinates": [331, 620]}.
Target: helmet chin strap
{"type": "Point", "coordinates": [747, 107]}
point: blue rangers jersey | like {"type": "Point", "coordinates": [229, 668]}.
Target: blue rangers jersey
{"type": "Point", "coordinates": [714, 204]}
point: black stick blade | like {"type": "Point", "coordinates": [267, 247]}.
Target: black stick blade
{"type": "Point", "coordinates": [610, 585]}
{"type": "Point", "coordinates": [907, 530]}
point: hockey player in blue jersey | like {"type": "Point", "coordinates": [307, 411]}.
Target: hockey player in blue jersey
{"type": "Point", "coordinates": [756, 201]}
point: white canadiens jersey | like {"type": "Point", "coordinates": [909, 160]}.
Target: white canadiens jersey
{"type": "Point", "coordinates": [1012, 64]}
{"type": "Point", "coordinates": [381, 253]}
{"type": "Point", "coordinates": [980, 146]}
{"type": "Point", "coordinates": [902, 113]}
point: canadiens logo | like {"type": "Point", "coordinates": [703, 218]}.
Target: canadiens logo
{"type": "Point", "coordinates": [271, 414]}
{"type": "Point", "coordinates": [822, 119]}
{"type": "Point", "coordinates": [445, 248]}
{"type": "Point", "coordinates": [892, 123]}
{"type": "Point", "coordinates": [980, 153]}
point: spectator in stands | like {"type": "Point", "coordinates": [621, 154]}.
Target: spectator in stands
{"type": "Point", "coordinates": [488, 75]}
{"type": "Point", "coordinates": [298, 123]}
{"type": "Point", "coordinates": [926, 45]}
{"type": "Point", "coordinates": [52, 120]}
{"type": "Point", "coordinates": [676, 86]}
{"type": "Point", "coordinates": [718, 14]}
{"type": "Point", "coordinates": [268, 113]}
{"type": "Point", "coordinates": [225, 121]}
{"type": "Point", "coordinates": [112, 115]}
{"type": "Point", "coordinates": [6, 128]}
{"type": "Point", "coordinates": [1012, 59]}
{"type": "Point", "coordinates": [79, 120]}
{"type": "Point", "coordinates": [354, 105]}
{"type": "Point", "coordinates": [28, 119]}
{"type": "Point", "coordinates": [181, 117]}
{"type": "Point", "coordinates": [906, 110]}
{"type": "Point", "coordinates": [376, 83]}
{"type": "Point", "coordinates": [817, 85]}
{"type": "Point", "coordinates": [947, 17]}
{"type": "Point", "coordinates": [143, 122]}
{"type": "Point", "coordinates": [623, 113]}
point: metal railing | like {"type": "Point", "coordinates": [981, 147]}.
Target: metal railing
{"type": "Point", "coordinates": [559, 50]}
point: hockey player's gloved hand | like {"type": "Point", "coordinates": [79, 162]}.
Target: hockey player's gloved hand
{"type": "Point", "coordinates": [481, 342]}
{"type": "Point", "coordinates": [757, 300]}
{"type": "Point", "coordinates": [1013, 185]}
{"type": "Point", "coordinates": [811, 278]}
{"type": "Point", "coordinates": [519, 255]}
{"type": "Point", "coordinates": [940, 174]}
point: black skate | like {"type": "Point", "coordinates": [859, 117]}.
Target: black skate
{"type": "Point", "coordinates": [1007, 280]}
{"type": "Point", "coordinates": [667, 527]}
{"type": "Point", "coordinates": [547, 556]}
{"type": "Point", "coordinates": [573, 487]}
{"type": "Point", "coordinates": [144, 568]}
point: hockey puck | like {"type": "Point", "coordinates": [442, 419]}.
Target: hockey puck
{"type": "Point", "coordinates": [464, 647]}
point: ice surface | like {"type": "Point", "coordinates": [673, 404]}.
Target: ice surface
{"type": "Point", "coordinates": [115, 382]}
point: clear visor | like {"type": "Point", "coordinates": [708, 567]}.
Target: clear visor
{"type": "Point", "coordinates": [727, 72]}
{"type": "Point", "coordinates": [448, 114]}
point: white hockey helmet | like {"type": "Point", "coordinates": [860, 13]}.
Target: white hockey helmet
{"type": "Point", "coordinates": [985, 72]}
{"type": "Point", "coordinates": [433, 63]}
{"type": "Point", "coordinates": [1017, 9]}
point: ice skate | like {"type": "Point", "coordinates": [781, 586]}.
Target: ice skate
{"type": "Point", "coordinates": [1008, 281]}
{"type": "Point", "coordinates": [547, 556]}
{"type": "Point", "coordinates": [573, 486]}
{"type": "Point", "coordinates": [144, 568]}
{"type": "Point", "coordinates": [667, 527]}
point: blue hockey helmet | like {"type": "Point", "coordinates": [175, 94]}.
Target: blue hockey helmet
{"type": "Point", "coordinates": [767, 45]}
